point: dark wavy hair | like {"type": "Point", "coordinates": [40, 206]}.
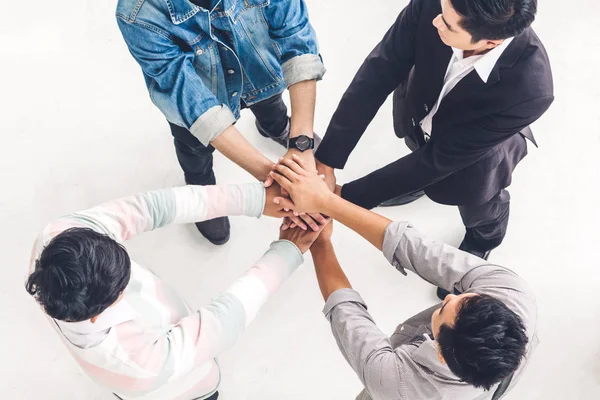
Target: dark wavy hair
{"type": "Point", "coordinates": [495, 19]}
{"type": "Point", "coordinates": [79, 274]}
{"type": "Point", "coordinates": [486, 343]}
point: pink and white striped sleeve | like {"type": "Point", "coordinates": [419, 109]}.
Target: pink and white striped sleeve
{"type": "Point", "coordinates": [127, 217]}
{"type": "Point", "coordinates": [203, 335]}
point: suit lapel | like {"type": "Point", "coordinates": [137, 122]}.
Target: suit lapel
{"type": "Point", "coordinates": [464, 89]}
{"type": "Point", "coordinates": [471, 87]}
{"type": "Point", "coordinates": [440, 63]}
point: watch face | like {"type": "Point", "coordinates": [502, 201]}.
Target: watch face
{"type": "Point", "coordinates": [303, 142]}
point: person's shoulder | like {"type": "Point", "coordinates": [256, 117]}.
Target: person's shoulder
{"type": "Point", "coordinates": [530, 68]}
{"type": "Point", "coordinates": [130, 9]}
{"type": "Point", "coordinates": [426, 7]}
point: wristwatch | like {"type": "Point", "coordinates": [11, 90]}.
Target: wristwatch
{"type": "Point", "coordinates": [301, 143]}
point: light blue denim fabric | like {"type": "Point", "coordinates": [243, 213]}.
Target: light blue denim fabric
{"type": "Point", "coordinates": [200, 63]}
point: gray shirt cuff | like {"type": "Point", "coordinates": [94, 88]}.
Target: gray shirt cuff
{"type": "Point", "coordinates": [212, 123]}
{"type": "Point", "coordinates": [393, 234]}
{"type": "Point", "coordinates": [342, 296]}
{"type": "Point", "coordinates": [306, 67]}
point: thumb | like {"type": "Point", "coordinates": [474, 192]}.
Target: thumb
{"type": "Point", "coordinates": [268, 182]}
{"type": "Point", "coordinates": [284, 203]}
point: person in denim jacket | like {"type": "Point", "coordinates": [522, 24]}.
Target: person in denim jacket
{"type": "Point", "coordinates": [205, 60]}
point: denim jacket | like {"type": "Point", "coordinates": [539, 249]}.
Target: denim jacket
{"type": "Point", "coordinates": [199, 64]}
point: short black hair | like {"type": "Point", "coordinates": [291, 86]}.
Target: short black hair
{"type": "Point", "coordinates": [79, 274]}
{"type": "Point", "coordinates": [486, 343]}
{"type": "Point", "coordinates": [495, 19]}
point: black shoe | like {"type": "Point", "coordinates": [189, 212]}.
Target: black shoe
{"type": "Point", "coordinates": [404, 199]}
{"type": "Point", "coordinates": [216, 230]}
{"type": "Point", "coordinates": [442, 293]}
{"type": "Point", "coordinates": [281, 139]}
{"type": "Point", "coordinates": [469, 248]}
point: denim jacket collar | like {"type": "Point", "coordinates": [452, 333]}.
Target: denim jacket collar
{"type": "Point", "coordinates": [181, 10]}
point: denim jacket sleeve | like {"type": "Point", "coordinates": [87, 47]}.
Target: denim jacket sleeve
{"type": "Point", "coordinates": [174, 86]}
{"type": "Point", "coordinates": [295, 40]}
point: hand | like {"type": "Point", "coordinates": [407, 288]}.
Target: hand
{"type": "Point", "coordinates": [325, 235]}
{"type": "Point", "coordinates": [271, 208]}
{"type": "Point", "coordinates": [301, 238]}
{"type": "Point", "coordinates": [313, 220]}
{"type": "Point", "coordinates": [329, 172]}
{"type": "Point", "coordinates": [308, 191]}
{"type": "Point", "coordinates": [307, 156]}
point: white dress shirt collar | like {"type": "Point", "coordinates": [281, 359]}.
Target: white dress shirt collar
{"type": "Point", "coordinates": [485, 64]}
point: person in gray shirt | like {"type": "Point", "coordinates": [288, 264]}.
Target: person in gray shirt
{"type": "Point", "coordinates": [474, 345]}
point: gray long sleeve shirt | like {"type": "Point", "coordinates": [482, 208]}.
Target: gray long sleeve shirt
{"type": "Point", "coordinates": [405, 366]}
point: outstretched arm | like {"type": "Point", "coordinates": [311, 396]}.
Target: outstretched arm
{"type": "Point", "coordinates": [178, 91]}
{"type": "Point", "coordinates": [364, 346]}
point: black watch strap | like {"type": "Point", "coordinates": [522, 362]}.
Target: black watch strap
{"type": "Point", "coordinates": [301, 143]}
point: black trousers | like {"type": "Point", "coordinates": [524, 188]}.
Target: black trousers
{"type": "Point", "coordinates": [486, 223]}
{"type": "Point", "coordinates": [196, 160]}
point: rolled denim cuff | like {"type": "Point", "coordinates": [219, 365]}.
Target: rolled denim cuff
{"type": "Point", "coordinates": [212, 123]}
{"type": "Point", "coordinates": [306, 67]}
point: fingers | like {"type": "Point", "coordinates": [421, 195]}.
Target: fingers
{"type": "Point", "coordinates": [325, 222]}
{"type": "Point", "coordinates": [297, 221]}
{"type": "Point", "coordinates": [293, 165]}
{"type": "Point", "coordinates": [311, 222]}
{"type": "Point", "coordinates": [286, 224]}
{"type": "Point", "coordinates": [300, 162]}
{"type": "Point", "coordinates": [284, 203]}
{"type": "Point", "coordinates": [282, 180]}
{"type": "Point", "coordinates": [286, 171]}
{"type": "Point", "coordinates": [319, 218]}
{"type": "Point", "coordinates": [268, 182]}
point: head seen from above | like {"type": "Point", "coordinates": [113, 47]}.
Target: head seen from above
{"type": "Point", "coordinates": [79, 275]}
{"type": "Point", "coordinates": [480, 339]}
{"type": "Point", "coordinates": [481, 25]}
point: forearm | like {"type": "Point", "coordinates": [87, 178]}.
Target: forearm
{"type": "Point", "coordinates": [130, 216]}
{"type": "Point", "coordinates": [232, 144]}
{"type": "Point", "coordinates": [222, 322]}
{"type": "Point", "coordinates": [368, 224]}
{"type": "Point", "coordinates": [303, 99]}
{"type": "Point", "coordinates": [330, 275]}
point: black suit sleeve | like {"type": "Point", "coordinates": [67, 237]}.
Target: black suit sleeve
{"type": "Point", "coordinates": [384, 69]}
{"type": "Point", "coordinates": [446, 153]}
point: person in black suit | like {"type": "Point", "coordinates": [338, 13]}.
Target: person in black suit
{"type": "Point", "coordinates": [469, 77]}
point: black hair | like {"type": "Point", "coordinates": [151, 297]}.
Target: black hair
{"type": "Point", "coordinates": [486, 343]}
{"type": "Point", "coordinates": [495, 19]}
{"type": "Point", "coordinates": [79, 274]}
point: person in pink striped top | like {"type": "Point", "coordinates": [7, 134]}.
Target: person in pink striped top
{"type": "Point", "coordinates": [128, 330]}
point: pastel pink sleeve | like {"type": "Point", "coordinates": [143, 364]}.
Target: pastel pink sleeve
{"type": "Point", "coordinates": [216, 327]}
{"type": "Point", "coordinates": [129, 216]}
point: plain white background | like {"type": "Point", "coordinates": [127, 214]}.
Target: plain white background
{"type": "Point", "coordinates": [78, 128]}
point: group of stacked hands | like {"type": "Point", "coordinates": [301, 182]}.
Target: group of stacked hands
{"type": "Point", "coordinates": [464, 98]}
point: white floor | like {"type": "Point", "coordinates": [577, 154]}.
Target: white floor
{"type": "Point", "coordinates": [79, 129]}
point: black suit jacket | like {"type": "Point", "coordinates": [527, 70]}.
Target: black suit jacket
{"type": "Point", "coordinates": [474, 144]}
